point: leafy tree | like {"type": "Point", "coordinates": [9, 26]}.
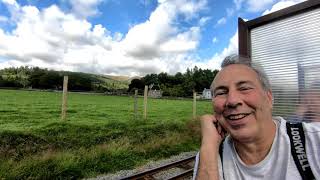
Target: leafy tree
{"type": "Point", "coordinates": [2, 81]}
{"type": "Point", "coordinates": [163, 78]}
{"type": "Point", "coordinates": [51, 80]}
{"type": "Point", "coordinates": [79, 82]}
{"type": "Point", "coordinates": [151, 79]}
{"type": "Point", "coordinates": [23, 74]}
{"type": "Point", "coordinates": [35, 76]}
{"type": "Point", "coordinates": [182, 84]}
{"type": "Point", "coordinates": [178, 78]}
{"type": "Point", "coordinates": [136, 84]}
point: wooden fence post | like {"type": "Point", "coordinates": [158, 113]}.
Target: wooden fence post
{"type": "Point", "coordinates": [145, 102]}
{"type": "Point", "coordinates": [64, 98]}
{"type": "Point", "coordinates": [194, 107]}
{"type": "Point", "coordinates": [135, 108]}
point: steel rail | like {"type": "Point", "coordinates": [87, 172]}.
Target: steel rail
{"type": "Point", "coordinates": [148, 174]}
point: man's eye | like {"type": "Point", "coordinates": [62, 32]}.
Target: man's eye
{"type": "Point", "coordinates": [220, 93]}
{"type": "Point", "coordinates": [244, 88]}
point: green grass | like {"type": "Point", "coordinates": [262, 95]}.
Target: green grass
{"type": "Point", "coordinates": [100, 135]}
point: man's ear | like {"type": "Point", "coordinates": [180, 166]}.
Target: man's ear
{"type": "Point", "coordinates": [270, 97]}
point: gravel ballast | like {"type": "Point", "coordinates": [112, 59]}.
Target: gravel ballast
{"type": "Point", "coordinates": [152, 164]}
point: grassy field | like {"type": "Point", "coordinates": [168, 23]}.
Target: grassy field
{"type": "Point", "coordinates": [100, 135]}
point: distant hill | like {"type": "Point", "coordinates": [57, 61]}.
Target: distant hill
{"type": "Point", "coordinates": [38, 78]}
{"type": "Point", "coordinates": [122, 78]}
{"type": "Point", "coordinates": [112, 82]}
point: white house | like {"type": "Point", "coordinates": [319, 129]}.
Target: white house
{"type": "Point", "coordinates": [206, 94]}
{"type": "Point", "coordinates": [155, 93]}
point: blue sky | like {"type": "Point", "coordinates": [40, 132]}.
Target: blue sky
{"type": "Point", "coordinates": [124, 37]}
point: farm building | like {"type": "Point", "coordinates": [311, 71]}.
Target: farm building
{"type": "Point", "coordinates": [206, 94]}
{"type": "Point", "coordinates": [155, 93]}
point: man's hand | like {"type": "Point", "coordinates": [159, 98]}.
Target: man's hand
{"type": "Point", "coordinates": [212, 134]}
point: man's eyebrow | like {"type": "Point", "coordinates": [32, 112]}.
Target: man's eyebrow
{"type": "Point", "coordinates": [244, 82]}
{"type": "Point", "coordinates": [238, 84]}
{"type": "Point", "coordinates": [219, 87]}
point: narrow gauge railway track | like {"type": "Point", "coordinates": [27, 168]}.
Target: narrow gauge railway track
{"type": "Point", "coordinates": [185, 165]}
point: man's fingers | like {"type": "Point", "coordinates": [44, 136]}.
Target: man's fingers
{"type": "Point", "coordinates": [210, 130]}
{"type": "Point", "coordinates": [208, 119]}
{"type": "Point", "coordinates": [210, 124]}
{"type": "Point", "coordinates": [219, 128]}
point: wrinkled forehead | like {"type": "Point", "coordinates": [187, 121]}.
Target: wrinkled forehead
{"type": "Point", "coordinates": [235, 73]}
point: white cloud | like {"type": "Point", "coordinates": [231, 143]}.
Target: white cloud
{"type": "Point", "coordinates": [253, 5]}
{"type": "Point", "coordinates": [238, 3]}
{"type": "Point", "coordinates": [214, 40]}
{"type": "Point", "coordinates": [281, 5]}
{"type": "Point", "coordinates": [54, 39]}
{"type": "Point", "coordinates": [142, 44]}
{"type": "Point", "coordinates": [11, 2]}
{"type": "Point", "coordinates": [85, 8]}
{"type": "Point", "coordinates": [203, 21]}
{"type": "Point", "coordinates": [258, 5]}
{"type": "Point", "coordinates": [3, 19]}
{"type": "Point", "coordinates": [13, 8]}
{"type": "Point", "coordinates": [221, 21]}
{"type": "Point", "coordinates": [230, 12]}
{"type": "Point", "coordinates": [183, 42]}
{"type": "Point", "coordinates": [49, 36]}
{"type": "Point", "coordinates": [215, 61]}
{"type": "Point", "coordinates": [190, 9]}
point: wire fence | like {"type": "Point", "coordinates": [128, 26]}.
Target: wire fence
{"type": "Point", "coordinates": [26, 109]}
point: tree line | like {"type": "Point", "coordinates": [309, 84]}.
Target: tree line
{"type": "Point", "coordinates": [38, 78]}
{"type": "Point", "coordinates": [178, 85]}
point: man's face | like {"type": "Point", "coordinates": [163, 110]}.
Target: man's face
{"type": "Point", "coordinates": [241, 105]}
{"type": "Point", "coordinates": [313, 105]}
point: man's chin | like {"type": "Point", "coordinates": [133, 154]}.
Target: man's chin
{"type": "Point", "coordinates": [241, 134]}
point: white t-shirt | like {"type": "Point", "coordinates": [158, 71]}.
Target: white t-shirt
{"type": "Point", "coordinates": [278, 164]}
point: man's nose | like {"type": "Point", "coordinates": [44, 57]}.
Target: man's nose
{"type": "Point", "coordinates": [233, 100]}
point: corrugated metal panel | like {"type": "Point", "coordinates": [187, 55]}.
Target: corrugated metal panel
{"type": "Point", "coordinates": [289, 52]}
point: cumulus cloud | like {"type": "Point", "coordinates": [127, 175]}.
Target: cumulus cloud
{"type": "Point", "coordinates": [281, 5]}
{"type": "Point", "coordinates": [238, 3]}
{"type": "Point", "coordinates": [221, 21]}
{"type": "Point", "coordinates": [10, 2]}
{"type": "Point", "coordinates": [230, 12]}
{"type": "Point", "coordinates": [258, 5]}
{"type": "Point", "coordinates": [253, 5]}
{"type": "Point", "coordinates": [183, 42]}
{"type": "Point", "coordinates": [159, 35]}
{"type": "Point", "coordinates": [215, 61]}
{"type": "Point", "coordinates": [55, 39]}
{"type": "Point", "coordinates": [214, 40]}
{"type": "Point", "coordinates": [13, 8]}
{"type": "Point", "coordinates": [85, 8]}
{"type": "Point", "coordinates": [203, 21]}
{"type": "Point", "coordinates": [3, 19]}
{"type": "Point", "coordinates": [232, 48]}
{"type": "Point", "coordinates": [49, 36]}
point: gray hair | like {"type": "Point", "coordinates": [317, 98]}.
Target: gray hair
{"type": "Point", "coordinates": [235, 59]}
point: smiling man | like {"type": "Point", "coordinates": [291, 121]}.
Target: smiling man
{"type": "Point", "coordinates": [243, 141]}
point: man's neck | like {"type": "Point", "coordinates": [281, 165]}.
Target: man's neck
{"type": "Point", "coordinates": [256, 150]}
